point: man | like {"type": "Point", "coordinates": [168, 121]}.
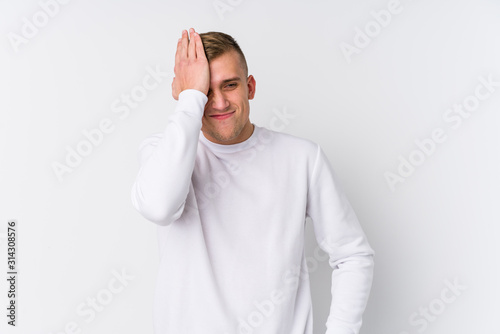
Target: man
{"type": "Point", "coordinates": [230, 199]}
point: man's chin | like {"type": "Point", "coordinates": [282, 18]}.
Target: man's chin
{"type": "Point", "coordinates": [219, 136]}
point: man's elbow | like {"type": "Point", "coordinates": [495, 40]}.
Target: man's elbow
{"type": "Point", "coordinates": [159, 213]}
{"type": "Point", "coordinates": [361, 261]}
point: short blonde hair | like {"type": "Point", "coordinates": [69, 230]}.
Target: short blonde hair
{"type": "Point", "coordinates": [218, 43]}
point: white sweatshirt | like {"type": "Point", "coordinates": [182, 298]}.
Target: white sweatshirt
{"type": "Point", "coordinates": [231, 222]}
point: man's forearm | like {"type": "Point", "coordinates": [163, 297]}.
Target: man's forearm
{"type": "Point", "coordinates": [351, 285]}
{"type": "Point", "coordinates": [340, 235]}
{"type": "Point", "coordinates": [167, 161]}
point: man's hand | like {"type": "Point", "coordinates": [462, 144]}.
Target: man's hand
{"type": "Point", "coordinates": [191, 65]}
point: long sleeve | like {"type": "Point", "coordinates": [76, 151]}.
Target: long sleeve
{"type": "Point", "coordinates": [340, 235]}
{"type": "Point", "coordinates": [167, 161]}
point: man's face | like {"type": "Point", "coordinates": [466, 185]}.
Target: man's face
{"type": "Point", "coordinates": [226, 116]}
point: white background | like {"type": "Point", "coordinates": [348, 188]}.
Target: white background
{"type": "Point", "coordinates": [441, 223]}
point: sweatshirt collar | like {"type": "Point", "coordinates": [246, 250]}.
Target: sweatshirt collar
{"type": "Point", "coordinates": [249, 142]}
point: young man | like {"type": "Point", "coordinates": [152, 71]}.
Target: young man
{"type": "Point", "coordinates": [230, 199]}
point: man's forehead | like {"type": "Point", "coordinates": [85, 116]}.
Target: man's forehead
{"type": "Point", "coordinates": [226, 67]}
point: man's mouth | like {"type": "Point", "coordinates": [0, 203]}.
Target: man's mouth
{"type": "Point", "coordinates": [222, 116]}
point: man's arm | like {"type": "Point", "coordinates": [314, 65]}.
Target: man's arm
{"type": "Point", "coordinates": [340, 235]}
{"type": "Point", "coordinates": [167, 159]}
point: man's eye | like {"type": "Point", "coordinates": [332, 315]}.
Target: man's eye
{"type": "Point", "coordinates": [231, 85]}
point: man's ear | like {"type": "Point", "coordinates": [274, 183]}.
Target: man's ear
{"type": "Point", "coordinates": [251, 87]}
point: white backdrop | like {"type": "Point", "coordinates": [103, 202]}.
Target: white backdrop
{"type": "Point", "coordinates": [402, 95]}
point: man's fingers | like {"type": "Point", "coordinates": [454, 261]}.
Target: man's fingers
{"type": "Point", "coordinates": [191, 50]}
{"type": "Point", "coordinates": [178, 51]}
{"type": "Point", "coordinates": [200, 52]}
{"type": "Point", "coordinates": [184, 46]}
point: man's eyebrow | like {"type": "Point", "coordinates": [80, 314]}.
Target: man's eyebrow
{"type": "Point", "coordinates": [231, 79]}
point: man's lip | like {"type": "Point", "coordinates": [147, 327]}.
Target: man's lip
{"type": "Point", "coordinates": [222, 116]}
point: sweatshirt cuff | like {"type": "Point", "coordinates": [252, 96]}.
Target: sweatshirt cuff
{"type": "Point", "coordinates": [192, 101]}
{"type": "Point", "coordinates": [192, 94]}
{"type": "Point", "coordinates": [339, 329]}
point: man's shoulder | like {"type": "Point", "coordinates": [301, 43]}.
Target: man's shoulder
{"type": "Point", "coordinates": [288, 141]}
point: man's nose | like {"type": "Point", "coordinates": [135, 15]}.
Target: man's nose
{"type": "Point", "coordinates": [218, 101]}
